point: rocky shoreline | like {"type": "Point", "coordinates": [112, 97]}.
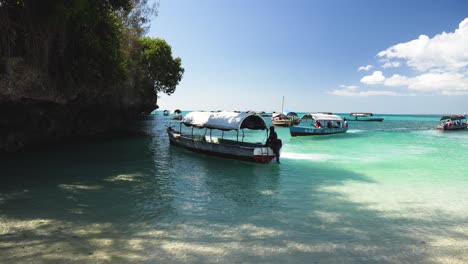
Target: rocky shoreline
{"type": "Point", "coordinates": [26, 122]}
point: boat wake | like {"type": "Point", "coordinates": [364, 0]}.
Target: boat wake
{"type": "Point", "coordinates": [355, 131]}
{"type": "Point", "coordinates": [298, 156]}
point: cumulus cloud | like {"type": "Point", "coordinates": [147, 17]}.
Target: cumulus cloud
{"type": "Point", "coordinates": [352, 90]}
{"type": "Point", "coordinates": [438, 65]}
{"type": "Point", "coordinates": [349, 87]}
{"type": "Point", "coordinates": [376, 78]}
{"type": "Point", "coordinates": [365, 68]}
{"type": "Point", "coordinates": [391, 64]}
{"type": "Point", "coordinates": [445, 51]}
{"type": "Point", "coordinates": [354, 93]}
{"type": "Point", "coordinates": [443, 83]}
{"type": "Point", "coordinates": [397, 81]}
{"type": "Point", "coordinates": [448, 83]}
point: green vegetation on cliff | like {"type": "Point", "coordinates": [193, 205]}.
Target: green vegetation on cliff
{"type": "Point", "coordinates": [85, 47]}
{"type": "Point", "coordinates": [164, 71]}
{"type": "Point", "coordinates": [78, 67]}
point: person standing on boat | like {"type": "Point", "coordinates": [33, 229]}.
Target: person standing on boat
{"type": "Point", "coordinates": [274, 142]}
{"type": "Point", "coordinates": [345, 122]}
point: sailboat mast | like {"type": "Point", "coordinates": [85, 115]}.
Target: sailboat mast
{"type": "Point", "coordinates": [282, 105]}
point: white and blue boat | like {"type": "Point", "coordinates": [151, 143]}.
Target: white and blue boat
{"type": "Point", "coordinates": [319, 124]}
{"type": "Point", "coordinates": [365, 117]}
{"type": "Point", "coordinates": [220, 146]}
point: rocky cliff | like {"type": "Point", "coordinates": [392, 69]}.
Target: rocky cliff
{"type": "Point", "coordinates": [72, 69]}
{"type": "Point", "coordinates": [33, 110]}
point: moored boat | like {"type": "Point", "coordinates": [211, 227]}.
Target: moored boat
{"type": "Point", "coordinates": [219, 146]}
{"type": "Point", "coordinates": [365, 117]}
{"type": "Point", "coordinates": [279, 119]}
{"type": "Point", "coordinates": [177, 115]}
{"type": "Point", "coordinates": [452, 122]}
{"type": "Point", "coordinates": [319, 124]}
{"type": "Point", "coordinates": [295, 118]}
{"type": "Point", "coordinates": [166, 112]}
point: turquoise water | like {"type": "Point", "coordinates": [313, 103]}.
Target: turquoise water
{"type": "Point", "coordinates": [390, 192]}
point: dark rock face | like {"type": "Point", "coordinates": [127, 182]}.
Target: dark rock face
{"type": "Point", "coordinates": [67, 70]}
{"type": "Point", "coordinates": [27, 122]}
{"type": "Point", "coordinates": [34, 110]}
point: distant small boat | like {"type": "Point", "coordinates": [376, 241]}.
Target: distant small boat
{"type": "Point", "coordinates": [365, 117]}
{"type": "Point", "coordinates": [219, 146]}
{"type": "Point", "coordinates": [264, 114]}
{"type": "Point", "coordinates": [452, 122]}
{"type": "Point", "coordinates": [166, 112]}
{"type": "Point", "coordinates": [279, 119]}
{"type": "Point", "coordinates": [319, 124]}
{"type": "Point", "coordinates": [260, 113]}
{"type": "Point", "coordinates": [178, 115]}
{"type": "Point", "coordinates": [295, 118]}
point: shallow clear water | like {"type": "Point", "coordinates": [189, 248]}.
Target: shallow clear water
{"type": "Point", "coordinates": [389, 192]}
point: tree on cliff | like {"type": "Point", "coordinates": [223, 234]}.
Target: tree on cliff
{"type": "Point", "coordinates": [164, 71]}
{"type": "Point", "coordinates": [90, 48]}
{"type": "Point", "coordinates": [78, 67]}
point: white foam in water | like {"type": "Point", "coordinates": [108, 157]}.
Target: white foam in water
{"type": "Point", "coordinates": [354, 131]}
{"type": "Point", "coordinates": [298, 156]}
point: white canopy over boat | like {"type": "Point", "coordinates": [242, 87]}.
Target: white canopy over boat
{"type": "Point", "coordinates": [224, 120]}
{"type": "Point", "coordinates": [276, 114]}
{"type": "Point", "coordinates": [453, 117]}
{"type": "Point", "coordinates": [322, 117]}
{"type": "Point", "coordinates": [361, 114]}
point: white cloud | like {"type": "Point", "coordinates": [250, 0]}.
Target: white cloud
{"type": "Point", "coordinates": [439, 64]}
{"type": "Point", "coordinates": [352, 90]}
{"type": "Point", "coordinates": [349, 87]}
{"type": "Point", "coordinates": [365, 68]}
{"type": "Point", "coordinates": [443, 83]}
{"type": "Point", "coordinates": [445, 51]}
{"type": "Point", "coordinates": [347, 92]}
{"type": "Point", "coordinates": [436, 83]}
{"type": "Point", "coordinates": [379, 93]}
{"type": "Point", "coordinates": [376, 78]}
{"type": "Point", "coordinates": [343, 92]}
{"type": "Point", "coordinates": [397, 81]}
{"type": "Point", "coordinates": [391, 64]}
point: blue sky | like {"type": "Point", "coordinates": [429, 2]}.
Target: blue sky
{"type": "Point", "coordinates": [338, 56]}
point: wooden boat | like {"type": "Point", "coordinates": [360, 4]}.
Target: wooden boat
{"type": "Point", "coordinates": [226, 148]}
{"type": "Point", "coordinates": [278, 119]}
{"type": "Point", "coordinates": [177, 115]}
{"type": "Point", "coordinates": [365, 117]}
{"type": "Point", "coordinates": [295, 118]}
{"type": "Point", "coordinates": [452, 122]}
{"type": "Point", "coordinates": [264, 114]}
{"type": "Point", "coordinates": [319, 124]}
{"type": "Point", "coordinates": [261, 113]}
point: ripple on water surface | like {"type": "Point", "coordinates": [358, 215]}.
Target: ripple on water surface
{"type": "Point", "coordinates": [392, 192]}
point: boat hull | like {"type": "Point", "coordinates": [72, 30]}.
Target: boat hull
{"type": "Point", "coordinates": [284, 123]}
{"type": "Point", "coordinates": [312, 131]}
{"type": "Point", "coordinates": [377, 119]}
{"type": "Point", "coordinates": [453, 127]}
{"type": "Point", "coordinates": [223, 148]}
{"type": "Point", "coordinates": [176, 118]}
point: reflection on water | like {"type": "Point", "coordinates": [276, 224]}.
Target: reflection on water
{"type": "Point", "coordinates": [378, 196]}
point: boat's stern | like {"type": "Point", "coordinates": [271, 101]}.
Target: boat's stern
{"type": "Point", "coordinates": [173, 135]}
{"type": "Point", "coordinates": [263, 154]}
